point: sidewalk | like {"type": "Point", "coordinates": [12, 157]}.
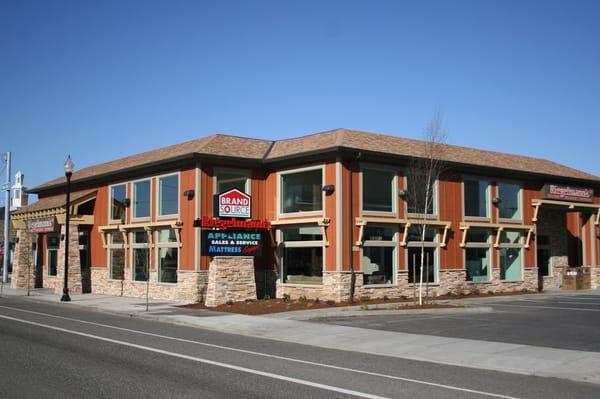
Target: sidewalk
{"type": "Point", "coordinates": [512, 358]}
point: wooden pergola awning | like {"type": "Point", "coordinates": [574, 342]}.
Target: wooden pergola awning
{"type": "Point", "coordinates": [361, 222]}
{"type": "Point", "coordinates": [498, 227]}
{"type": "Point", "coordinates": [567, 205]}
{"type": "Point", "coordinates": [319, 221]}
{"type": "Point", "coordinates": [54, 206]}
{"type": "Point", "coordinates": [149, 227]}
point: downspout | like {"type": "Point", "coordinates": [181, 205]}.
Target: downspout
{"type": "Point", "coordinates": [351, 231]}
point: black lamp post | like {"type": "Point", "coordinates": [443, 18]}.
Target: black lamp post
{"type": "Point", "coordinates": [69, 165]}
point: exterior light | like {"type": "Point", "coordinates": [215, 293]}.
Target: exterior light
{"type": "Point", "coordinates": [69, 166]}
{"type": "Point", "coordinates": [329, 189]}
{"type": "Point", "coordinates": [496, 200]}
{"type": "Point", "coordinates": [402, 193]}
{"type": "Point", "coordinates": [189, 194]}
{"type": "Point", "coordinates": [126, 202]}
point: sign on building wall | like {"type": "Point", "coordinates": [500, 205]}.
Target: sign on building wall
{"type": "Point", "coordinates": [232, 243]}
{"type": "Point", "coordinates": [233, 204]}
{"type": "Point", "coordinates": [42, 225]}
{"type": "Point", "coordinates": [567, 193]}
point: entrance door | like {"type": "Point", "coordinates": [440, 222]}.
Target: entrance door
{"type": "Point", "coordinates": [84, 261]}
{"type": "Point", "coordinates": [36, 258]}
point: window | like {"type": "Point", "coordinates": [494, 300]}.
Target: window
{"type": "Point", "coordinates": [477, 256]}
{"type": "Point", "coordinates": [117, 202]}
{"type": "Point", "coordinates": [141, 255]}
{"type": "Point", "coordinates": [141, 199]}
{"type": "Point", "coordinates": [379, 254]}
{"type": "Point", "coordinates": [476, 198]}
{"type": "Point", "coordinates": [511, 249]}
{"type": "Point", "coordinates": [228, 179]}
{"type": "Point", "coordinates": [168, 195]}
{"type": "Point", "coordinates": [430, 251]}
{"type": "Point", "coordinates": [84, 253]}
{"type": "Point", "coordinates": [302, 255]}
{"type": "Point", "coordinates": [510, 201]}
{"type": "Point", "coordinates": [378, 193]}
{"type": "Point", "coordinates": [544, 255]}
{"type": "Point", "coordinates": [168, 254]}
{"type": "Point", "coordinates": [302, 191]}
{"type": "Point", "coordinates": [116, 256]}
{"type": "Point", "coordinates": [53, 241]}
{"type": "Point", "coordinates": [420, 200]}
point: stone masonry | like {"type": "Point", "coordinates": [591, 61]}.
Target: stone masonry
{"type": "Point", "coordinates": [23, 263]}
{"type": "Point", "coordinates": [230, 279]}
{"type": "Point", "coordinates": [75, 285]}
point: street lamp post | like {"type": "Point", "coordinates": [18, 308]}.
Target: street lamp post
{"type": "Point", "coordinates": [69, 165]}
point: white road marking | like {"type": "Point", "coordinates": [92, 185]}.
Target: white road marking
{"type": "Point", "coordinates": [547, 307]}
{"type": "Point", "coordinates": [411, 380]}
{"type": "Point", "coordinates": [565, 302]}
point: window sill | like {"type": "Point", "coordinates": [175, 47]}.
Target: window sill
{"type": "Point", "coordinates": [391, 214]}
{"type": "Point", "coordinates": [293, 215]}
{"type": "Point", "coordinates": [302, 285]}
{"type": "Point", "coordinates": [512, 281]}
{"type": "Point", "coordinates": [424, 284]}
{"type": "Point", "coordinates": [380, 285]}
{"type": "Point", "coordinates": [478, 282]}
{"type": "Point", "coordinates": [477, 219]}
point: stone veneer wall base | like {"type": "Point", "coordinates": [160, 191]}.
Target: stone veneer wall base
{"type": "Point", "coordinates": [230, 278]}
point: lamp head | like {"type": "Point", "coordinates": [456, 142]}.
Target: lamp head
{"type": "Point", "coordinates": [69, 165]}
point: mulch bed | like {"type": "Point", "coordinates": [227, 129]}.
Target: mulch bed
{"type": "Point", "coordinates": [267, 306]}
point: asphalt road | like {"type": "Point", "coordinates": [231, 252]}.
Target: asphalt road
{"type": "Point", "coordinates": [563, 321]}
{"type": "Point", "coordinates": [56, 351]}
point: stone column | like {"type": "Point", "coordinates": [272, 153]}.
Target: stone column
{"type": "Point", "coordinates": [23, 262]}
{"type": "Point", "coordinates": [75, 286]}
{"type": "Point", "coordinates": [230, 279]}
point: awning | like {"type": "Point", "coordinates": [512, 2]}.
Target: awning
{"type": "Point", "coordinates": [55, 206]}
{"type": "Point", "coordinates": [567, 205]}
{"type": "Point", "coordinates": [499, 227]}
{"type": "Point", "coordinates": [364, 221]}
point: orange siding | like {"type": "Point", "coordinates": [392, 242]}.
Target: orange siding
{"type": "Point", "coordinates": [97, 251]}
{"type": "Point", "coordinates": [450, 206]}
{"type": "Point", "coordinates": [186, 214]}
{"type": "Point", "coordinates": [330, 212]}
{"type": "Point", "coordinates": [529, 193]}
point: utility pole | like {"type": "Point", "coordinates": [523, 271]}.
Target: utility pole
{"type": "Point", "coordinates": [6, 186]}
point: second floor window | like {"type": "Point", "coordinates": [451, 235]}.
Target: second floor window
{"type": "Point", "coordinates": [378, 190]}
{"type": "Point", "coordinates": [168, 195]}
{"type": "Point", "coordinates": [302, 191]}
{"type": "Point", "coordinates": [510, 201]}
{"type": "Point", "coordinates": [229, 179]}
{"type": "Point", "coordinates": [476, 198]}
{"type": "Point", "coordinates": [141, 199]}
{"type": "Point", "coordinates": [420, 199]}
{"type": "Point", "coordinates": [117, 202]}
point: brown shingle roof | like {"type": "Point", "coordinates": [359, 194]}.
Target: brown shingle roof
{"type": "Point", "coordinates": [54, 201]}
{"type": "Point", "coordinates": [266, 150]}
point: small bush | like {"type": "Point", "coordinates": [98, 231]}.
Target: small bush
{"type": "Point", "coordinates": [286, 297]}
{"type": "Point", "coordinates": [229, 302]}
{"type": "Point", "coordinates": [330, 302]}
{"type": "Point", "coordinates": [302, 299]}
{"type": "Point", "coordinates": [364, 306]}
{"type": "Point", "coordinates": [317, 300]}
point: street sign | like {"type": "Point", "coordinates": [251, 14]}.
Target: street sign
{"type": "Point", "coordinates": [4, 186]}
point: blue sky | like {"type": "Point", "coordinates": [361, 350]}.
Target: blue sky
{"type": "Point", "coordinates": [105, 79]}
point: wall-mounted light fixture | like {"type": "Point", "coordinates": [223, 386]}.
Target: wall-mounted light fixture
{"type": "Point", "coordinates": [16, 240]}
{"type": "Point", "coordinates": [126, 202]}
{"type": "Point", "coordinates": [496, 200]}
{"type": "Point", "coordinates": [189, 194]}
{"type": "Point", "coordinates": [598, 234]}
{"type": "Point", "coordinates": [329, 189]}
{"type": "Point", "coordinates": [62, 237]}
{"type": "Point", "coordinates": [402, 193]}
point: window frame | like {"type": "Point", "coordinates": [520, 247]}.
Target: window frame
{"type": "Point", "coordinates": [279, 198]}
{"type": "Point", "coordinates": [394, 243]}
{"type": "Point", "coordinates": [488, 195]}
{"type": "Point", "coordinates": [435, 205]}
{"type": "Point", "coordinates": [394, 196]}
{"type": "Point", "coordinates": [243, 172]}
{"type": "Point", "coordinates": [159, 245]}
{"type": "Point", "coordinates": [110, 247]}
{"type": "Point", "coordinates": [488, 245]}
{"type": "Point", "coordinates": [110, 197]}
{"type": "Point", "coordinates": [53, 248]}
{"type": "Point", "coordinates": [436, 260]}
{"type": "Point", "coordinates": [520, 246]}
{"type": "Point", "coordinates": [133, 246]}
{"type": "Point", "coordinates": [158, 196]}
{"type": "Point", "coordinates": [519, 197]}
{"type": "Point", "coordinates": [133, 200]}
{"type": "Point", "coordinates": [298, 244]}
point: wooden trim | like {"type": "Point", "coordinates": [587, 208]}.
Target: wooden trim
{"type": "Point", "coordinates": [318, 220]}
{"type": "Point", "coordinates": [361, 222]}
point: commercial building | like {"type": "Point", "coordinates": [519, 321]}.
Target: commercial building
{"type": "Point", "coordinates": [321, 209]}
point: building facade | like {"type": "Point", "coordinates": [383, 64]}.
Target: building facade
{"type": "Point", "coordinates": [336, 211]}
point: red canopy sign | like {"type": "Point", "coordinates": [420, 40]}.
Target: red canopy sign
{"type": "Point", "coordinates": [234, 204]}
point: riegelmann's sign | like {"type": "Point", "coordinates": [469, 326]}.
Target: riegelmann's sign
{"type": "Point", "coordinates": [42, 225]}
{"type": "Point", "coordinates": [567, 193]}
{"type": "Point", "coordinates": [234, 204]}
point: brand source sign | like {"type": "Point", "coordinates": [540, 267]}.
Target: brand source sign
{"type": "Point", "coordinates": [232, 243]}
{"type": "Point", "coordinates": [234, 204]}
{"type": "Point", "coordinates": [567, 193]}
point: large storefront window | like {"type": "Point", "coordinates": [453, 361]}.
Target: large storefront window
{"type": "Point", "coordinates": [379, 255]}
{"type": "Point", "coordinates": [302, 191]}
{"type": "Point", "coordinates": [116, 256]}
{"type": "Point", "coordinates": [302, 255]}
{"type": "Point", "coordinates": [168, 255]}
{"type": "Point", "coordinates": [420, 200]}
{"type": "Point", "coordinates": [510, 201]}
{"type": "Point", "coordinates": [378, 190]}
{"type": "Point", "coordinates": [477, 256]}
{"type": "Point", "coordinates": [229, 179]}
{"type": "Point", "coordinates": [430, 252]}
{"type": "Point", "coordinates": [168, 195]}
{"type": "Point", "coordinates": [118, 194]}
{"type": "Point", "coordinates": [476, 198]}
{"type": "Point", "coordinates": [141, 199]}
{"type": "Point", "coordinates": [141, 255]}
{"type": "Point", "coordinates": [511, 263]}
{"type": "Point", "coordinates": [52, 243]}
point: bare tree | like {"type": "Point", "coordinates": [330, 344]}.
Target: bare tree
{"type": "Point", "coordinates": [425, 169]}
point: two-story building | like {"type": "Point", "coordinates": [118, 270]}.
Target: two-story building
{"type": "Point", "coordinates": [336, 209]}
